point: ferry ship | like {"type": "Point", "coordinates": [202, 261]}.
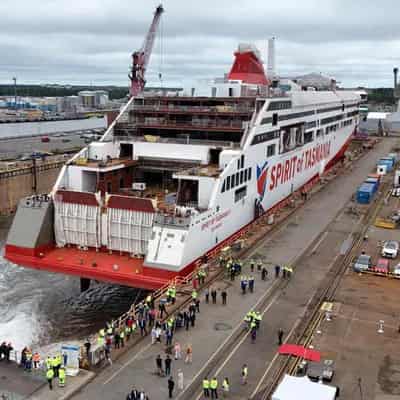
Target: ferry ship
{"type": "Point", "coordinates": [178, 176]}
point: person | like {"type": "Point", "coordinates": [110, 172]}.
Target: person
{"type": "Point", "coordinates": [173, 294]}
{"type": "Point", "coordinates": [207, 295]}
{"type": "Point", "coordinates": [180, 379]}
{"type": "Point", "coordinates": [162, 309]}
{"type": "Point", "coordinates": [206, 387]}
{"type": "Point", "coordinates": [284, 272]}
{"type": "Point", "coordinates": [192, 316]}
{"type": "Point", "coordinates": [117, 340]}
{"type": "Point", "coordinates": [61, 377]}
{"type": "Point", "coordinates": [177, 350]}
{"type": "Point", "coordinates": [259, 265]}
{"type": "Point", "coordinates": [159, 365]}
{"type": "Point", "coordinates": [214, 296]}
{"type": "Point", "coordinates": [167, 363]}
{"type": "Point", "coordinates": [225, 386]}
{"type": "Point", "coordinates": [214, 388]}
{"type": "Point", "coordinates": [134, 394]}
{"type": "Point", "coordinates": [232, 272]}
{"type": "Point", "coordinates": [224, 295]}
{"type": "Point", "coordinates": [252, 265]}
{"type": "Point", "coordinates": [251, 284]}
{"type": "Point", "coordinates": [243, 284]}
{"type": "Point", "coordinates": [289, 271]}
{"type": "Point", "coordinates": [36, 360]}
{"type": "Point", "coordinates": [8, 351]}
{"type": "Point", "coordinates": [48, 363]}
{"type": "Point", "coordinates": [264, 274]}
{"type": "Point", "coordinates": [277, 270]}
{"type": "Point", "coordinates": [194, 294]}
{"type": "Point", "coordinates": [253, 330]}
{"type": "Point", "coordinates": [107, 353]}
{"type": "Point", "coordinates": [49, 377]}
{"type": "Point", "coordinates": [87, 346]}
{"type": "Point", "coordinates": [171, 385]}
{"type": "Point", "coordinates": [280, 336]}
{"type": "Point", "coordinates": [245, 373]}
{"type": "Point", "coordinates": [189, 354]}
{"type": "Point", "coordinates": [122, 337]}
{"type": "Point", "coordinates": [142, 326]}
{"type": "Point", "coordinates": [28, 362]}
{"type": "Point", "coordinates": [153, 335]}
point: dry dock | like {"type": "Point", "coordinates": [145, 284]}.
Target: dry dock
{"type": "Point", "coordinates": [311, 240]}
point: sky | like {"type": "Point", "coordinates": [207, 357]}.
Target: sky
{"type": "Point", "coordinates": [90, 41]}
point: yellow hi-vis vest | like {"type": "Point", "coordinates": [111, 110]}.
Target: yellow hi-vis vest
{"type": "Point", "coordinates": [50, 374]}
{"type": "Point", "coordinates": [206, 384]}
{"type": "Point", "coordinates": [213, 384]}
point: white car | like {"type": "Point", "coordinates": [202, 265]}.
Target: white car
{"type": "Point", "coordinates": [396, 270]}
{"type": "Point", "coordinates": [390, 249]}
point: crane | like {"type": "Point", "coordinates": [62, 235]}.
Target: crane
{"type": "Point", "coordinates": [140, 58]}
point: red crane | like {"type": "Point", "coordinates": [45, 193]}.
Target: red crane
{"type": "Point", "coordinates": [140, 58]}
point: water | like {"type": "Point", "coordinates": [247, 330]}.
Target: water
{"type": "Point", "coordinates": [10, 130]}
{"type": "Point", "coordinates": [40, 309]}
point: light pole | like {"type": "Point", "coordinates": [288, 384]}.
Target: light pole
{"type": "Point", "coordinates": [15, 91]}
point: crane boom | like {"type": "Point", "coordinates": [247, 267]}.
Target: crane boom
{"type": "Point", "coordinates": [141, 58]}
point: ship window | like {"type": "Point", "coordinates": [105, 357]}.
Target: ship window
{"type": "Point", "coordinates": [121, 183]}
{"type": "Point", "coordinates": [319, 132]}
{"type": "Point", "coordinates": [238, 164]}
{"type": "Point", "coordinates": [242, 161]}
{"type": "Point", "coordinates": [241, 176]}
{"type": "Point", "coordinates": [237, 178]}
{"type": "Point", "coordinates": [223, 187]}
{"type": "Point", "coordinates": [308, 137]}
{"type": "Point", "coordinates": [109, 187]}
{"type": "Point", "coordinates": [265, 121]}
{"type": "Point", "coordinates": [240, 193]}
{"type": "Point", "coordinates": [228, 183]}
{"type": "Point", "coordinates": [213, 92]}
{"type": "Point", "coordinates": [245, 175]}
{"type": "Point", "coordinates": [249, 174]}
{"type": "Point", "coordinates": [271, 150]}
{"type": "Point", "coordinates": [233, 181]}
{"type": "Point", "coordinates": [230, 92]}
{"type": "Point", "coordinates": [274, 119]}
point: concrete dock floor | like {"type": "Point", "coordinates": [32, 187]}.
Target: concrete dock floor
{"type": "Point", "coordinates": [320, 229]}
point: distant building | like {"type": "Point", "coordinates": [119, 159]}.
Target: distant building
{"type": "Point", "coordinates": [93, 99]}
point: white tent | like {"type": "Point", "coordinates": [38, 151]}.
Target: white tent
{"type": "Point", "coordinates": [301, 388]}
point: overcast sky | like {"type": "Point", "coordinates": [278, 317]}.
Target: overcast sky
{"type": "Point", "coordinates": [90, 41]}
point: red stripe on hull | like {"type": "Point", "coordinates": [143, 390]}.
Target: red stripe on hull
{"type": "Point", "coordinates": [130, 272]}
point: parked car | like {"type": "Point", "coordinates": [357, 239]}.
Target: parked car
{"type": "Point", "coordinates": [362, 263]}
{"type": "Point", "coordinates": [396, 270]}
{"type": "Point", "coordinates": [382, 266]}
{"type": "Point", "coordinates": [390, 249]}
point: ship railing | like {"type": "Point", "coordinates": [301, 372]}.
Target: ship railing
{"type": "Point", "coordinates": [194, 123]}
{"type": "Point", "coordinates": [188, 140]}
{"type": "Point", "coordinates": [172, 108]}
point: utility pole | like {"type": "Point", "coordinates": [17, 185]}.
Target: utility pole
{"type": "Point", "coordinates": [15, 91]}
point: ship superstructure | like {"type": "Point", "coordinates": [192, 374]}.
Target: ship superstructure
{"type": "Point", "coordinates": [177, 176]}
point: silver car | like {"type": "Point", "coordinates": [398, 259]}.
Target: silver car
{"type": "Point", "coordinates": [362, 263]}
{"type": "Point", "coordinates": [390, 249]}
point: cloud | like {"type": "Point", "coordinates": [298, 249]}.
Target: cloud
{"type": "Point", "coordinates": [91, 42]}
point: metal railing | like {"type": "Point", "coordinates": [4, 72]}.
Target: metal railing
{"type": "Point", "coordinates": [172, 108]}
{"type": "Point", "coordinates": [188, 140]}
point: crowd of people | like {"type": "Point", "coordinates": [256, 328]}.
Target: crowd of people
{"type": "Point", "coordinates": [162, 324]}
{"type": "Point", "coordinates": [5, 351]}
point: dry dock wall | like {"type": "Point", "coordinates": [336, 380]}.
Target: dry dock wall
{"type": "Point", "coordinates": [19, 183]}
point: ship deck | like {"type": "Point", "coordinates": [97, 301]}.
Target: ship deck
{"type": "Point", "coordinates": [102, 266]}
